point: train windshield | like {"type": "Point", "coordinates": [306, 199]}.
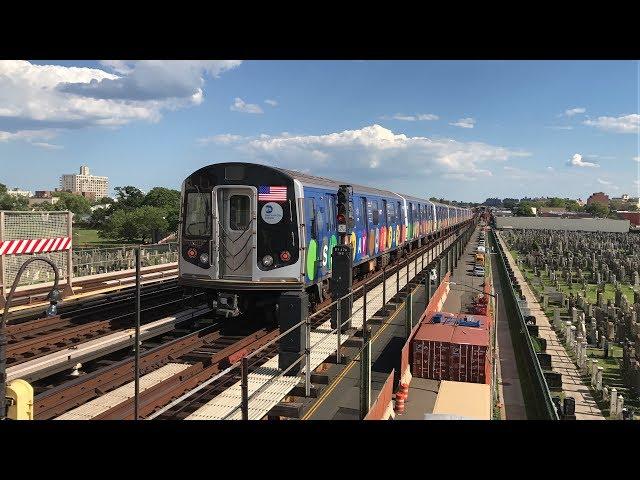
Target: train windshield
{"type": "Point", "coordinates": [197, 221]}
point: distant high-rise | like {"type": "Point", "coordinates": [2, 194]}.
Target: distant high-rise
{"type": "Point", "coordinates": [85, 183]}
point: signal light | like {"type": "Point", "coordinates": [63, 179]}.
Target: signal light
{"type": "Point", "coordinates": [342, 218]}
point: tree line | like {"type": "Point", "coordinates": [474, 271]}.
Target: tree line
{"type": "Point", "coordinates": [132, 216]}
{"type": "Point", "coordinates": [523, 207]}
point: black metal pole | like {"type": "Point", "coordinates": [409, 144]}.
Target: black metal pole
{"type": "Point", "coordinates": [365, 373]}
{"type": "Point", "coordinates": [136, 399]}
{"type": "Point", "coordinates": [245, 388]}
{"type": "Point", "coordinates": [364, 307]}
{"type": "Point", "coordinates": [384, 289]}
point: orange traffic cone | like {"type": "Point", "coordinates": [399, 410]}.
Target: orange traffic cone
{"type": "Point", "coordinates": [399, 404]}
{"type": "Point", "coordinates": [404, 388]}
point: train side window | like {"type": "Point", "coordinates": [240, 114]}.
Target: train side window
{"type": "Point", "coordinates": [320, 219]}
{"type": "Point", "coordinates": [375, 213]}
{"type": "Point", "coordinates": [310, 205]}
{"type": "Point", "coordinates": [392, 213]}
{"type": "Point", "coordinates": [330, 207]}
{"type": "Point", "coordinates": [384, 212]}
{"type": "Point", "coordinates": [365, 214]}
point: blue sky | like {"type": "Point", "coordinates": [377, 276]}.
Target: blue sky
{"type": "Point", "coordinates": [463, 130]}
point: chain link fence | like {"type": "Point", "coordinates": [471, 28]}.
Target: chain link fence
{"type": "Point", "coordinates": [33, 225]}
{"type": "Point", "coordinates": [93, 260]}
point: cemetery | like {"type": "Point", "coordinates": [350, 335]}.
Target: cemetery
{"type": "Point", "coordinates": [588, 284]}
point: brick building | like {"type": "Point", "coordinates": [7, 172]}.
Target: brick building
{"type": "Point", "coordinates": [598, 197]}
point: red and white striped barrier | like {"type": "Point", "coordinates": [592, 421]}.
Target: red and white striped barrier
{"type": "Point", "coordinates": [36, 245]}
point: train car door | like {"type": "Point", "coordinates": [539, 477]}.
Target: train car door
{"type": "Point", "coordinates": [236, 231]}
{"type": "Point", "coordinates": [384, 228]}
{"type": "Point", "coordinates": [312, 231]}
{"type": "Point", "coordinates": [401, 222]}
{"type": "Point", "coordinates": [331, 230]}
{"type": "Point", "coordinates": [365, 228]}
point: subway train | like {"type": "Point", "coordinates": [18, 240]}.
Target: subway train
{"type": "Point", "coordinates": [249, 232]}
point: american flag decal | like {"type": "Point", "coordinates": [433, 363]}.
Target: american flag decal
{"type": "Point", "coordinates": [268, 193]}
{"type": "Point", "coordinates": [36, 245]}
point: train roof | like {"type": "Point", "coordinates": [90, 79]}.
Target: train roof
{"type": "Point", "coordinates": [327, 182]}
{"type": "Point", "coordinates": [309, 179]}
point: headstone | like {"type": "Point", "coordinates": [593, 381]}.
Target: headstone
{"type": "Point", "coordinates": [619, 406]}
{"type": "Point", "coordinates": [599, 379]}
{"type": "Point", "coordinates": [613, 402]}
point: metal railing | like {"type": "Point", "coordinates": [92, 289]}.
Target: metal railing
{"type": "Point", "coordinates": [543, 393]}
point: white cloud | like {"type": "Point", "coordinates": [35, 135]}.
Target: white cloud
{"type": "Point", "coordinates": [577, 161]}
{"type": "Point", "coordinates": [464, 123]}
{"type": "Point", "coordinates": [636, 159]}
{"type": "Point", "coordinates": [221, 139]}
{"type": "Point", "coordinates": [48, 146]}
{"type": "Point", "coordinates": [622, 124]}
{"type": "Point", "coordinates": [603, 182]}
{"type": "Point", "coordinates": [273, 103]}
{"type": "Point", "coordinates": [551, 169]}
{"type": "Point", "coordinates": [239, 105]}
{"type": "Point", "coordinates": [561, 127]}
{"type": "Point", "coordinates": [413, 118]}
{"type": "Point", "coordinates": [374, 152]}
{"type": "Point", "coordinates": [573, 111]}
{"type": "Point", "coordinates": [45, 97]}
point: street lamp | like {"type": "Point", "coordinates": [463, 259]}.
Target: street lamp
{"type": "Point", "coordinates": [54, 296]}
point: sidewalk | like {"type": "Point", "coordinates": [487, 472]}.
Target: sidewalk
{"type": "Point", "coordinates": [586, 407]}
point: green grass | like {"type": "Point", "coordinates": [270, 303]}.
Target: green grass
{"type": "Point", "coordinates": [86, 237]}
{"type": "Point", "coordinates": [611, 377]}
{"type": "Point", "coordinates": [575, 288]}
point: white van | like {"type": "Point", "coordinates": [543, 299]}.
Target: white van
{"type": "Point", "coordinates": [481, 249]}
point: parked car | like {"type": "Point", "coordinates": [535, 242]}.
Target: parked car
{"type": "Point", "coordinates": [478, 271]}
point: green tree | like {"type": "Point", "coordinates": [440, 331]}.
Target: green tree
{"type": "Point", "coordinates": [510, 203]}
{"type": "Point", "coordinates": [77, 204]}
{"type": "Point", "coordinates": [162, 197]}
{"type": "Point", "coordinates": [98, 218]}
{"type": "Point", "coordinates": [138, 224]}
{"type": "Point", "coordinates": [523, 210]}
{"type": "Point", "coordinates": [555, 202]}
{"type": "Point", "coordinates": [128, 198]}
{"type": "Point", "coordinates": [45, 206]}
{"type": "Point", "coordinates": [168, 200]}
{"type": "Point", "coordinates": [150, 220]}
{"type": "Point", "coordinates": [597, 209]}
{"type": "Point", "coordinates": [118, 225]}
{"type": "Point", "coordinates": [573, 206]}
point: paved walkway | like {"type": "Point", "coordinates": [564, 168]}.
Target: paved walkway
{"type": "Point", "coordinates": [586, 407]}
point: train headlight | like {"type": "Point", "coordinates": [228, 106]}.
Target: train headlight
{"type": "Point", "coordinates": [204, 258]}
{"type": "Point", "coordinates": [267, 260]}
